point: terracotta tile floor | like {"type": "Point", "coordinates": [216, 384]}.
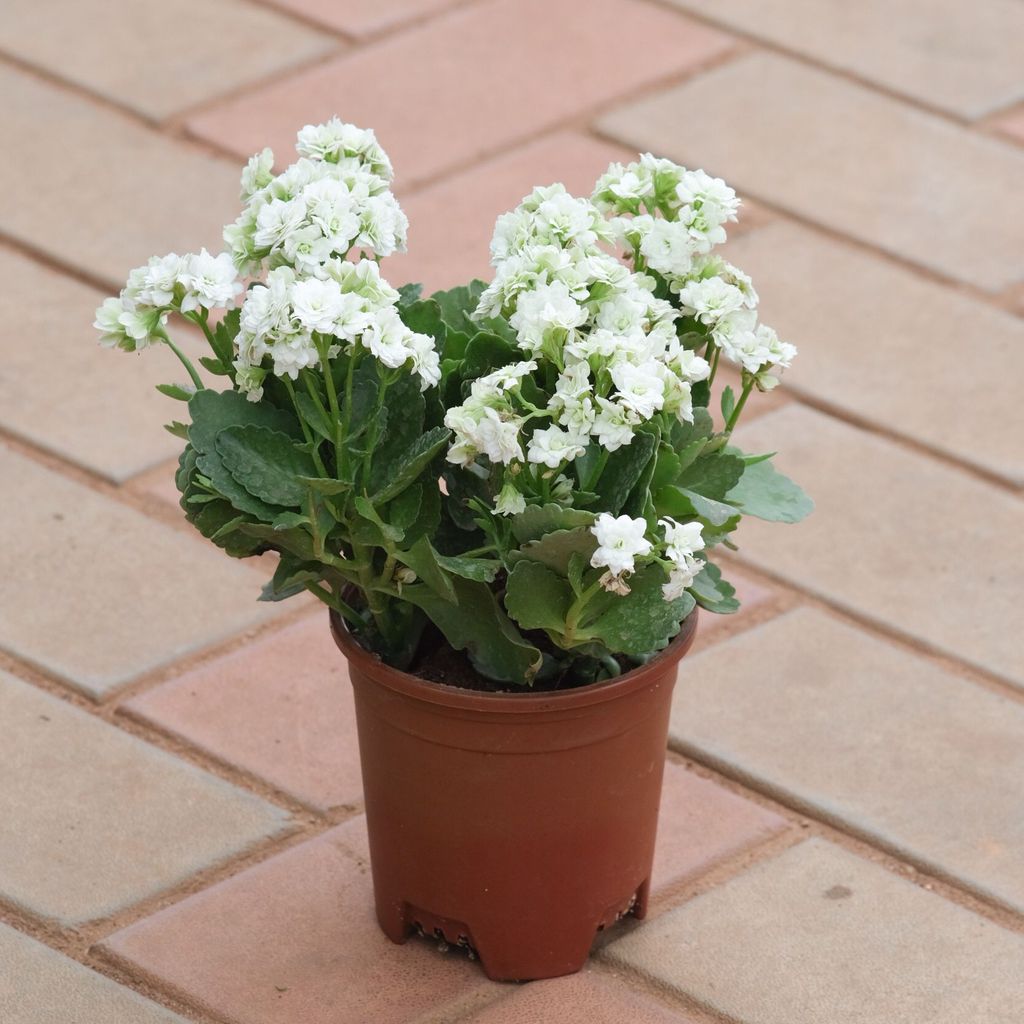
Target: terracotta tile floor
{"type": "Point", "coordinates": [117, 147]}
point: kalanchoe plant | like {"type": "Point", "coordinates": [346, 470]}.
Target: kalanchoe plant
{"type": "Point", "coordinates": [528, 469]}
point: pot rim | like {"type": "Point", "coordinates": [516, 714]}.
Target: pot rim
{"type": "Point", "coordinates": [527, 701]}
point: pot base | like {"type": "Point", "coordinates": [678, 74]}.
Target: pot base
{"type": "Point", "coordinates": [512, 951]}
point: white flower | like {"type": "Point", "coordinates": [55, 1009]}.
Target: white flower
{"type": "Point", "coordinates": [108, 323]}
{"type": "Point", "coordinates": [614, 425]}
{"type": "Point", "coordinates": [307, 249]}
{"type": "Point", "coordinates": [706, 203]}
{"type": "Point", "coordinates": [505, 378]}
{"type": "Point", "coordinates": [337, 142]}
{"type": "Point", "coordinates": [293, 353]}
{"type": "Point", "coordinates": [681, 539]}
{"type": "Point", "coordinates": [383, 225]}
{"type": "Point", "coordinates": [547, 307]}
{"type": "Point", "coordinates": [640, 387]}
{"type": "Point", "coordinates": [331, 208]}
{"type": "Point", "coordinates": [258, 174]}
{"type": "Point", "coordinates": [317, 304]}
{"type": "Point", "coordinates": [622, 314]}
{"type": "Point", "coordinates": [620, 539]}
{"type": "Point", "coordinates": [510, 501]}
{"type": "Point", "coordinates": [711, 299]}
{"type": "Point", "coordinates": [209, 281]}
{"type": "Point", "coordinates": [737, 337]}
{"type": "Point", "coordinates": [160, 279]}
{"type": "Point", "coordinates": [249, 380]}
{"type": "Point", "coordinates": [278, 219]}
{"type": "Point", "coordinates": [668, 248]}
{"type": "Point", "coordinates": [681, 577]}
{"type": "Point", "coordinates": [425, 360]}
{"type": "Point", "coordinates": [388, 338]}
{"type": "Point", "coordinates": [780, 353]}
{"type": "Point", "coordinates": [552, 446]}
{"type": "Point", "coordinates": [498, 438]}
{"type": "Point", "coordinates": [267, 308]}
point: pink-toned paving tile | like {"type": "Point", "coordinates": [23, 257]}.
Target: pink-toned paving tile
{"type": "Point", "coordinates": [1011, 124]}
{"type": "Point", "coordinates": [280, 708]}
{"type": "Point", "coordinates": [294, 939]}
{"type": "Point", "coordinates": [701, 825]}
{"type": "Point", "coordinates": [584, 998]}
{"type": "Point", "coordinates": [471, 81]}
{"type": "Point", "coordinates": [451, 222]}
{"type": "Point", "coordinates": [158, 482]}
{"type": "Point", "coordinates": [360, 19]}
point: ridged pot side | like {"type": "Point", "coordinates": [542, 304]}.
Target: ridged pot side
{"type": "Point", "coordinates": [518, 824]}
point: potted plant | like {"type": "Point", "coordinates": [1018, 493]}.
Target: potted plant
{"type": "Point", "coordinates": [507, 495]}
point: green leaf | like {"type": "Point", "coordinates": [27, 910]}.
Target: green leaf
{"type": "Point", "coordinates": [478, 625]}
{"type": "Point", "coordinates": [290, 578]}
{"type": "Point", "coordinates": [214, 366]}
{"type": "Point", "coordinates": [556, 549]}
{"type": "Point", "coordinates": [210, 521]}
{"type": "Point", "coordinates": [412, 463]}
{"type": "Point", "coordinates": [266, 463]}
{"type": "Point", "coordinates": [537, 520]}
{"type": "Point", "coordinates": [683, 434]}
{"type": "Point", "coordinates": [214, 411]}
{"type": "Point", "coordinates": [424, 317]}
{"type": "Point", "coordinates": [712, 475]}
{"type": "Point", "coordinates": [422, 559]}
{"type": "Point", "coordinates": [290, 520]}
{"type": "Point", "coordinates": [577, 567]}
{"type": "Point", "coordinates": [178, 429]}
{"type": "Point", "coordinates": [728, 403]}
{"type": "Point", "coordinates": [408, 294]}
{"type": "Point", "coordinates": [623, 469]}
{"type": "Point", "coordinates": [666, 467]}
{"type": "Point", "coordinates": [486, 352]}
{"type": "Point", "coordinates": [643, 621]}
{"type": "Point", "coordinates": [681, 503]}
{"type": "Point", "coordinates": [537, 598]}
{"type": "Point", "coordinates": [765, 493]}
{"type": "Point", "coordinates": [314, 416]}
{"type": "Point", "coordinates": [322, 486]}
{"type": "Point", "coordinates": [364, 506]}
{"type": "Point", "coordinates": [483, 570]}
{"type": "Point", "coordinates": [456, 305]}
{"type": "Point", "coordinates": [183, 393]}
{"type": "Point", "coordinates": [211, 465]}
{"type": "Point", "coordinates": [714, 593]}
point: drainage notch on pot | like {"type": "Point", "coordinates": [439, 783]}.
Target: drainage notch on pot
{"type": "Point", "coordinates": [516, 825]}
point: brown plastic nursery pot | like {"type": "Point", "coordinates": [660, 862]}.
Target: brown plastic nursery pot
{"type": "Point", "coordinates": [515, 824]}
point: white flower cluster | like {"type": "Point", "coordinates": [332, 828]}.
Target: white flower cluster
{"type": "Point", "coordinates": [313, 302]}
{"type": "Point", "coordinates": [136, 317]}
{"type": "Point", "coordinates": [671, 218]}
{"type": "Point", "coordinates": [621, 540]}
{"type": "Point", "coordinates": [578, 308]}
{"type": "Point", "coordinates": [294, 319]}
{"type": "Point", "coordinates": [334, 198]}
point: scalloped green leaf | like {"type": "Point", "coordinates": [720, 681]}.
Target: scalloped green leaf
{"type": "Point", "coordinates": [537, 598]}
{"type": "Point", "coordinates": [642, 621]}
{"type": "Point", "coordinates": [537, 520]}
{"type": "Point", "coordinates": [266, 463]}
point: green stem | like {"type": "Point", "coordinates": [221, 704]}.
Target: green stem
{"type": "Point", "coordinates": [715, 356]}
{"type": "Point", "coordinates": [572, 619]}
{"type": "Point", "coordinates": [185, 361]}
{"type": "Point", "coordinates": [332, 401]}
{"type": "Point", "coordinates": [346, 611]}
{"type": "Point", "coordinates": [373, 432]}
{"type": "Point", "coordinates": [306, 432]}
{"type": "Point", "coordinates": [734, 418]}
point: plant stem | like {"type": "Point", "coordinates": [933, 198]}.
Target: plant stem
{"type": "Point", "coordinates": [334, 601]}
{"type": "Point", "coordinates": [185, 361]}
{"type": "Point", "coordinates": [572, 619]}
{"type": "Point", "coordinates": [332, 400]}
{"type": "Point", "coordinates": [715, 356]}
{"type": "Point", "coordinates": [734, 418]}
{"type": "Point", "coordinates": [306, 432]}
